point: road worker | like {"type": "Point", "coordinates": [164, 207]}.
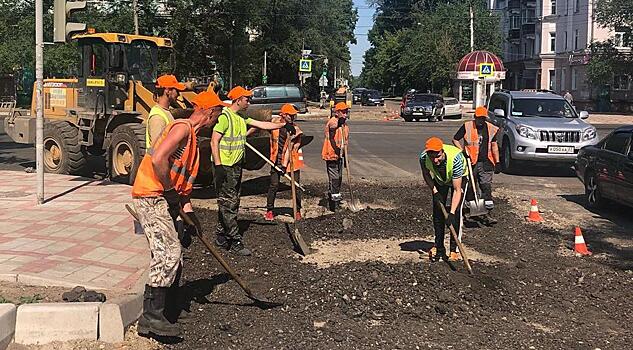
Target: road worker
{"type": "Point", "coordinates": [444, 169]}
{"type": "Point", "coordinates": [166, 93]}
{"type": "Point", "coordinates": [480, 142]}
{"type": "Point", "coordinates": [336, 133]}
{"type": "Point", "coordinates": [162, 188]}
{"type": "Point", "coordinates": [283, 146]}
{"type": "Point", "coordinates": [228, 149]}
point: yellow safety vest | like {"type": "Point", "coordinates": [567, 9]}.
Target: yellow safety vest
{"type": "Point", "coordinates": [159, 111]}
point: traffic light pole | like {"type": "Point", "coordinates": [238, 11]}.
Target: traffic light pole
{"type": "Point", "coordinates": [39, 99]}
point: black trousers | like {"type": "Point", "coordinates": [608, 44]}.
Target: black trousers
{"type": "Point", "coordinates": [334, 175]}
{"type": "Point", "coordinates": [274, 187]}
{"type": "Point", "coordinates": [439, 221]}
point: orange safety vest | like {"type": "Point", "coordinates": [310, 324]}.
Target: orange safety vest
{"type": "Point", "coordinates": [182, 173]}
{"type": "Point", "coordinates": [471, 140]}
{"type": "Point", "coordinates": [327, 152]}
{"type": "Point", "coordinates": [297, 157]}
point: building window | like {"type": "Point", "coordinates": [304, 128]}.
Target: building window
{"type": "Point", "coordinates": [515, 22]}
{"type": "Point", "coordinates": [618, 39]}
{"type": "Point", "coordinates": [565, 40]}
{"type": "Point", "coordinates": [553, 9]}
{"type": "Point", "coordinates": [621, 82]}
{"type": "Point", "coordinates": [574, 78]}
{"type": "Point", "coordinates": [552, 79]}
{"type": "Point", "coordinates": [576, 6]}
{"type": "Point", "coordinates": [576, 36]}
{"type": "Point", "coordinates": [528, 16]}
{"type": "Point", "coordinates": [566, 7]}
{"type": "Point", "coordinates": [562, 79]}
{"type": "Point", "coordinates": [552, 42]}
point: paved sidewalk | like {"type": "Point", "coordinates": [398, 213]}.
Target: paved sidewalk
{"type": "Point", "coordinates": [81, 235]}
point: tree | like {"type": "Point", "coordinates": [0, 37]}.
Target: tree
{"type": "Point", "coordinates": [615, 13]}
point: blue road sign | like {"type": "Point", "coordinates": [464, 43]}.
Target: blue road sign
{"type": "Point", "coordinates": [305, 66]}
{"type": "Point", "coordinates": [486, 69]}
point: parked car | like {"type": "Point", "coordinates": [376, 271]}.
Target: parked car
{"type": "Point", "coordinates": [356, 95]}
{"type": "Point", "coordinates": [538, 126]}
{"type": "Point", "coordinates": [275, 96]}
{"type": "Point", "coordinates": [606, 169]}
{"type": "Point", "coordinates": [420, 106]}
{"type": "Point", "coordinates": [371, 98]}
{"type": "Point", "coordinates": [452, 108]}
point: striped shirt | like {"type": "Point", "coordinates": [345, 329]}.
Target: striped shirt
{"type": "Point", "coordinates": [459, 165]}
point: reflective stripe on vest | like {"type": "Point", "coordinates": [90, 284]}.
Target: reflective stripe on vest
{"type": "Point", "coordinates": [158, 111]}
{"type": "Point", "coordinates": [451, 152]}
{"type": "Point", "coordinates": [183, 170]}
{"type": "Point", "coordinates": [471, 140]}
{"type": "Point", "coordinates": [230, 141]}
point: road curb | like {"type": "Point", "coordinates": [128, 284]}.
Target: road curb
{"type": "Point", "coordinates": [7, 324]}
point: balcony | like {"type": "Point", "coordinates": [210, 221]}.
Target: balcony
{"type": "Point", "coordinates": [514, 4]}
{"type": "Point", "coordinates": [528, 28]}
{"type": "Point", "coordinates": [514, 35]}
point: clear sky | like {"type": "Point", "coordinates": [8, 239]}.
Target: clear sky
{"type": "Point", "coordinates": [365, 21]}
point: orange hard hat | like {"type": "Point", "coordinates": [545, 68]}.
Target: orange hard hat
{"type": "Point", "coordinates": [434, 144]}
{"type": "Point", "coordinates": [289, 109]}
{"type": "Point", "coordinates": [208, 99]}
{"type": "Point", "coordinates": [238, 92]}
{"type": "Point", "coordinates": [169, 81]}
{"type": "Point", "coordinates": [481, 112]}
{"type": "Point", "coordinates": [341, 106]}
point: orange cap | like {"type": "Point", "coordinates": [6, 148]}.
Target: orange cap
{"type": "Point", "coordinates": [481, 112]}
{"type": "Point", "coordinates": [434, 144]}
{"type": "Point", "coordinates": [289, 109]}
{"type": "Point", "coordinates": [208, 99]}
{"type": "Point", "coordinates": [341, 106]}
{"type": "Point", "coordinates": [238, 92]}
{"type": "Point", "coordinates": [169, 81]}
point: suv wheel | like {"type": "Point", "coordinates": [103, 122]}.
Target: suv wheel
{"type": "Point", "coordinates": [593, 196]}
{"type": "Point", "coordinates": [508, 163]}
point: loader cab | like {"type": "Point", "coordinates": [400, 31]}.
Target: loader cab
{"type": "Point", "coordinates": [110, 62]}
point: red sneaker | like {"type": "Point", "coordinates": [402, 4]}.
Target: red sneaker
{"type": "Point", "coordinates": [298, 216]}
{"type": "Point", "coordinates": [269, 216]}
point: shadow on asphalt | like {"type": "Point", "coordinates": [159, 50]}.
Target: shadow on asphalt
{"type": "Point", "coordinates": [416, 246]}
{"type": "Point", "coordinates": [545, 171]}
{"type": "Point", "coordinates": [616, 213]}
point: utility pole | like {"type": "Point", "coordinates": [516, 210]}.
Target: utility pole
{"type": "Point", "coordinates": [135, 10]}
{"type": "Point", "coordinates": [265, 70]}
{"type": "Point", "coordinates": [472, 30]}
{"type": "Point", "coordinates": [39, 99]}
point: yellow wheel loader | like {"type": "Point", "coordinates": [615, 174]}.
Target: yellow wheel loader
{"type": "Point", "coordinates": [103, 111]}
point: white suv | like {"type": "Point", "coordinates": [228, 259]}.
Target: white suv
{"type": "Point", "coordinates": [538, 126]}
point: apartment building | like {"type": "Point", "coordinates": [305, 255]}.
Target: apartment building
{"type": "Point", "coordinates": [546, 47]}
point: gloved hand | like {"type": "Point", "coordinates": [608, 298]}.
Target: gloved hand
{"type": "Point", "coordinates": [452, 221]}
{"type": "Point", "coordinates": [290, 128]}
{"type": "Point", "coordinates": [173, 202]}
{"type": "Point", "coordinates": [497, 168]}
{"type": "Point", "coordinates": [437, 197]}
{"type": "Point", "coordinates": [196, 221]}
{"type": "Point", "coordinates": [341, 122]}
{"type": "Point", "coordinates": [218, 172]}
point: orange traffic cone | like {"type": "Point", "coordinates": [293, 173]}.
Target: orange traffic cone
{"type": "Point", "coordinates": [534, 215]}
{"type": "Point", "coordinates": [579, 243]}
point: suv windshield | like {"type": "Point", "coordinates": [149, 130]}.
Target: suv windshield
{"type": "Point", "coordinates": [374, 94]}
{"type": "Point", "coordinates": [424, 98]}
{"type": "Point", "coordinates": [550, 108]}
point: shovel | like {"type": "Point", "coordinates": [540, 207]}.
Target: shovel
{"type": "Point", "coordinates": [258, 299]}
{"type": "Point", "coordinates": [462, 251]}
{"type": "Point", "coordinates": [295, 234]}
{"type": "Point", "coordinates": [354, 204]}
{"type": "Point", "coordinates": [273, 165]}
{"type": "Point", "coordinates": [476, 207]}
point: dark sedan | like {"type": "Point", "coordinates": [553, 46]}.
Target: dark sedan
{"type": "Point", "coordinates": [371, 98]}
{"type": "Point", "coordinates": [422, 106]}
{"type": "Point", "coordinates": [606, 169]}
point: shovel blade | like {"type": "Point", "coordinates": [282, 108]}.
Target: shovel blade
{"type": "Point", "coordinates": [477, 208]}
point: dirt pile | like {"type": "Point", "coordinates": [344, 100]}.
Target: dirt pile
{"type": "Point", "coordinates": [535, 298]}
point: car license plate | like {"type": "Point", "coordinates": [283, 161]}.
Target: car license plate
{"type": "Point", "coordinates": [560, 149]}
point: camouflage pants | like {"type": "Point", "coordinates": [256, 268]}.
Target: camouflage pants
{"type": "Point", "coordinates": [166, 254]}
{"type": "Point", "coordinates": [229, 188]}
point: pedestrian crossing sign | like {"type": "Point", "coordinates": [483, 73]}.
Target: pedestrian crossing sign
{"type": "Point", "coordinates": [305, 66]}
{"type": "Point", "coordinates": [486, 69]}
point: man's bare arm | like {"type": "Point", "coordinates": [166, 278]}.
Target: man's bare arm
{"type": "Point", "coordinates": [266, 125]}
{"type": "Point", "coordinates": [215, 147]}
{"type": "Point", "coordinates": [457, 194]}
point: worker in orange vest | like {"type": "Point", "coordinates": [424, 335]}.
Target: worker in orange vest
{"type": "Point", "coordinates": [480, 140]}
{"type": "Point", "coordinates": [162, 187]}
{"type": "Point", "coordinates": [336, 133]}
{"type": "Point", "coordinates": [284, 145]}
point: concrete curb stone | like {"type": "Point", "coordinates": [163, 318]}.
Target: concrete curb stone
{"type": "Point", "coordinates": [7, 324]}
{"type": "Point", "coordinates": [47, 322]}
{"type": "Point", "coordinates": [111, 328]}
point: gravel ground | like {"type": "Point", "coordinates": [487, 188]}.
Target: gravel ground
{"type": "Point", "coordinates": [539, 296]}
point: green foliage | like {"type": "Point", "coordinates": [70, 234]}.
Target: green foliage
{"type": "Point", "coordinates": [607, 61]}
{"type": "Point", "coordinates": [3, 300]}
{"type": "Point", "coordinates": [615, 13]}
{"type": "Point", "coordinates": [202, 31]}
{"type": "Point", "coordinates": [30, 299]}
{"type": "Point", "coordinates": [417, 44]}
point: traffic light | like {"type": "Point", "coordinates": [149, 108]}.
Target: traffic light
{"type": "Point", "coordinates": [61, 12]}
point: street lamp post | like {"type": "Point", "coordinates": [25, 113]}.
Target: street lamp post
{"type": "Point", "coordinates": [39, 99]}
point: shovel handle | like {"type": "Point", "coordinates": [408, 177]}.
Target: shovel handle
{"type": "Point", "coordinates": [347, 171]}
{"type": "Point", "coordinates": [462, 251]}
{"type": "Point", "coordinates": [471, 174]}
{"type": "Point", "coordinates": [273, 165]}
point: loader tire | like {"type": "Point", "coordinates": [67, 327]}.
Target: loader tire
{"type": "Point", "coordinates": [126, 151]}
{"type": "Point", "coordinates": [62, 152]}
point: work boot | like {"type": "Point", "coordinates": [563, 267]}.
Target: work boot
{"type": "Point", "coordinates": [222, 242]}
{"type": "Point", "coordinates": [153, 320]}
{"type": "Point", "coordinates": [488, 220]}
{"type": "Point", "coordinates": [269, 216]}
{"type": "Point", "coordinates": [176, 301]}
{"type": "Point", "coordinates": [237, 247]}
{"type": "Point", "coordinates": [454, 256]}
